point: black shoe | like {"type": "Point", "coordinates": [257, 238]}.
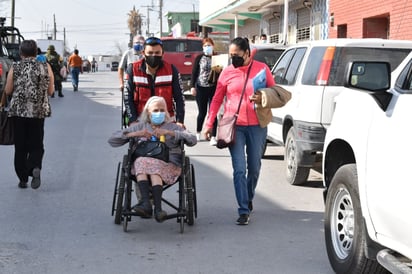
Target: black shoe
{"type": "Point", "coordinates": [23, 184]}
{"type": "Point", "coordinates": [35, 182]}
{"type": "Point", "coordinates": [250, 206]}
{"type": "Point", "coordinates": [143, 211]}
{"type": "Point", "coordinates": [61, 94]}
{"type": "Point", "coordinates": [52, 96]}
{"type": "Point", "coordinates": [160, 216]}
{"type": "Point", "coordinates": [243, 219]}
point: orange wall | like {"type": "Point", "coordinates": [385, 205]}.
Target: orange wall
{"type": "Point", "coordinates": [352, 13]}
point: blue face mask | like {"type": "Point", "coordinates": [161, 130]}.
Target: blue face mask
{"type": "Point", "coordinates": [157, 118]}
{"type": "Point", "coordinates": [138, 47]}
{"type": "Point", "coordinates": [208, 50]}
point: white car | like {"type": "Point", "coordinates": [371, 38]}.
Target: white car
{"type": "Point", "coordinates": [313, 72]}
{"type": "Point", "coordinates": [368, 184]}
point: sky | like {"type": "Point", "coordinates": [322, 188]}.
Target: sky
{"type": "Point", "coordinates": [93, 26]}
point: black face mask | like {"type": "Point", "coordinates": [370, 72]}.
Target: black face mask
{"type": "Point", "coordinates": [237, 61]}
{"type": "Point", "coordinates": [153, 61]}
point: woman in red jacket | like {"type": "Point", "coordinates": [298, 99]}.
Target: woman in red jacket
{"type": "Point", "coordinates": [250, 137]}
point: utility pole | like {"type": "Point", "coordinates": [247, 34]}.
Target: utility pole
{"type": "Point", "coordinates": [160, 17]}
{"type": "Point", "coordinates": [148, 19]}
{"type": "Point", "coordinates": [54, 27]}
{"type": "Point", "coordinates": [13, 6]}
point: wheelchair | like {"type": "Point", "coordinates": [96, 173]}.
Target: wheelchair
{"type": "Point", "coordinates": [185, 211]}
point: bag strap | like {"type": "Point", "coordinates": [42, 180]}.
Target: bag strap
{"type": "Point", "coordinates": [244, 87]}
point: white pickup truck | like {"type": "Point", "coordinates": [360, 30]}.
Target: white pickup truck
{"type": "Point", "coordinates": [368, 185]}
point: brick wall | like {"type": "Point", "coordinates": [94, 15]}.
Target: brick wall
{"type": "Point", "coordinates": [369, 18]}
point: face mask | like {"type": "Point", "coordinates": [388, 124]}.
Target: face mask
{"type": "Point", "coordinates": [264, 41]}
{"type": "Point", "coordinates": [153, 61]}
{"type": "Point", "coordinates": [138, 47]}
{"type": "Point", "coordinates": [237, 61]}
{"type": "Point", "coordinates": [208, 50]}
{"type": "Point", "coordinates": [157, 118]}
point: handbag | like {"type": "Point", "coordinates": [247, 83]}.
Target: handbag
{"type": "Point", "coordinates": [6, 124]}
{"type": "Point", "coordinates": [226, 128]}
{"type": "Point", "coordinates": [153, 149]}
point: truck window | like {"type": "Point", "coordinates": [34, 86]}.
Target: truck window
{"type": "Point", "coordinates": [313, 64]}
{"type": "Point", "coordinates": [294, 65]}
{"type": "Point", "coordinates": [343, 55]}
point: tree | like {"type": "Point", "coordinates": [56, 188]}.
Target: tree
{"type": "Point", "coordinates": [134, 23]}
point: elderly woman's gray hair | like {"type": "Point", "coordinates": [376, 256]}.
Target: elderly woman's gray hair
{"type": "Point", "coordinates": [145, 116]}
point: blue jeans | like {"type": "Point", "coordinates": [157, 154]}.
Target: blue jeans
{"type": "Point", "coordinates": [246, 168]}
{"type": "Point", "coordinates": [75, 76]}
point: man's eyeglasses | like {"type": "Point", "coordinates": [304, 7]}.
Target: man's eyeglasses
{"type": "Point", "coordinates": [153, 41]}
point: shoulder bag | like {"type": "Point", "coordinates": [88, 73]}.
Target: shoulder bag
{"type": "Point", "coordinates": [153, 149]}
{"type": "Point", "coordinates": [6, 124]}
{"type": "Point", "coordinates": [226, 128]}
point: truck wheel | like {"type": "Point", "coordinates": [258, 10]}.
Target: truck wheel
{"type": "Point", "coordinates": [295, 174]}
{"type": "Point", "coordinates": [345, 234]}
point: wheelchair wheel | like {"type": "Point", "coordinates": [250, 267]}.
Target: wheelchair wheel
{"type": "Point", "coordinates": [194, 190]}
{"type": "Point", "coordinates": [120, 192]}
{"type": "Point", "coordinates": [115, 188]}
{"type": "Point", "coordinates": [127, 202]}
{"type": "Point", "coordinates": [189, 192]}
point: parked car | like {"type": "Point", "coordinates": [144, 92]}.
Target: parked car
{"type": "Point", "coordinates": [314, 73]}
{"type": "Point", "coordinates": [182, 52]}
{"type": "Point", "coordinates": [267, 53]}
{"type": "Point", "coordinates": [366, 171]}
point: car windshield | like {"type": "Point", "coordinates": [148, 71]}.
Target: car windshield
{"type": "Point", "coordinates": [268, 56]}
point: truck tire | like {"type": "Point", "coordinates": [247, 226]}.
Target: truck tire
{"type": "Point", "coordinates": [345, 234]}
{"type": "Point", "coordinates": [295, 174]}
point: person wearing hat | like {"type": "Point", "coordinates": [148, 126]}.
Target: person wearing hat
{"type": "Point", "coordinates": [75, 65]}
{"type": "Point", "coordinates": [131, 55]}
{"type": "Point", "coordinates": [55, 61]}
{"type": "Point", "coordinates": [152, 76]}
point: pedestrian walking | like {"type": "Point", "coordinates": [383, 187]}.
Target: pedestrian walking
{"type": "Point", "coordinates": [75, 66]}
{"type": "Point", "coordinates": [40, 56]}
{"type": "Point", "coordinates": [56, 63]}
{"type": "Point", "coordinates": [250, 138]}
{"type": "Point", "coordinates": [202, 87]}
{"type": "Point", "coordinates": [94, 63]}
{"type": "Point", "coordinates": [129, 56]}
{"type": "Point", "coordinates": [29, 82]}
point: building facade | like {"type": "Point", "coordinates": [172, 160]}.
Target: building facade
{"type": "Point", "coordinates": [290, 22]}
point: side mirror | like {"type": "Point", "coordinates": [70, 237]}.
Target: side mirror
{"type": "Point", "coordinates": [373, 77]}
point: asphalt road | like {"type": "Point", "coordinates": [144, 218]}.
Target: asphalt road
{"type": "Point", "coordinates": [66, 225]}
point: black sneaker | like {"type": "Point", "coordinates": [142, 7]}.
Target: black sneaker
{"type": "Point", "coordinates": [22, 184]}
{"type": "Point", "coordinates": [243, 219]}
{"type": "Point", "coordinates": [35, 182]}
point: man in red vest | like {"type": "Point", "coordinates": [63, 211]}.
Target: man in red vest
{"type": "Point", "coordinates": [152, 76]}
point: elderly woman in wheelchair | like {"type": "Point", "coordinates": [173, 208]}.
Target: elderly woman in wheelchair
{"type": "Point", "coordinates": [164, 166]}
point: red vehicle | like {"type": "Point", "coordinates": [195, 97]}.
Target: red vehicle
{"type": "Point", "coordinates": [182, 52]}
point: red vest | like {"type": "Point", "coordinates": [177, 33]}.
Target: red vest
{"type": "Point", "coordinates": [144, 86]}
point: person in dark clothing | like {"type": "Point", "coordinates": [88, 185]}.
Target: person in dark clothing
{"type": "Point", "coordinates": [29, 82]}
{"type": "Point", "coordinates": [202, 87]}
{"type": "Point", "coordinates": [55, 61]}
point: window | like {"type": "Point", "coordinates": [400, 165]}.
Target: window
{"type": "Point", "coordinates": [315, 59]}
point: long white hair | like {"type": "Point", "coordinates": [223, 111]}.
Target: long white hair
{"type": "Point", "coordinates": [145, 116]}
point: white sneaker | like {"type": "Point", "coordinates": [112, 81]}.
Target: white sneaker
{"type": "Point", "coordinates": [198, 137]}
{"type": "Point", "coordinates": [213, 141]}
